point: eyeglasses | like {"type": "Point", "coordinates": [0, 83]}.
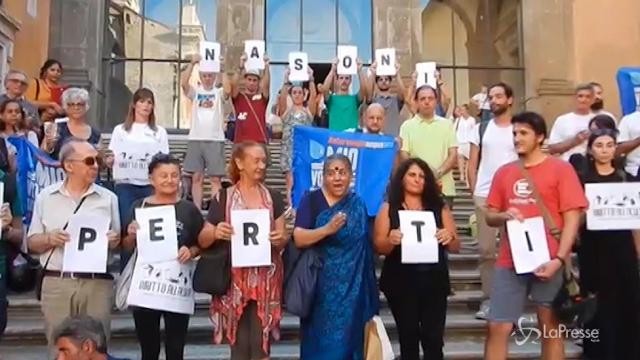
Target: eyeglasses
{"type": "Point", "coordinates": [90, 160]}
{"type": "Point", "coordinates": [76, 104]}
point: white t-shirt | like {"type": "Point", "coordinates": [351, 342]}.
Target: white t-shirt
{"type": "Point", "coordinates": [568, 126]}
{"type": "Point", "coordinates": [629, 130]}
{"type": "Point", "coordinates": [207, 114]}
{"type": "Point", "coordinates": [482, 101]}
{"type": "Point", "coordinates": [497, 150]}
{"type": "Point", "coordinates": [141, 140]}
{"type": "Point", "coordinates": [464, 129]}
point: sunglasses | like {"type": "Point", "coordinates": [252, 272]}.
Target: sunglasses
{"type": "Point", "coordinates": [90, 160]}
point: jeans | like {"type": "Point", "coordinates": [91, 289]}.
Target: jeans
{"type": "Point", "coordinates": [148, 332]}
{"type": "Point", "coordinates": [127, 195]}
{"type": "Point", "coordinates": [3, 303]}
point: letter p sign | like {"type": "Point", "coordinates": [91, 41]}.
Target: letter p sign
{"type": "Point", "coordinates": [86, 236]}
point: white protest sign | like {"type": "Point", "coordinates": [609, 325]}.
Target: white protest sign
{"type": "Point", "coordinates": [298, 65]}
{"type": "Point", "coordinates": [528, 242]}
{"type": "Point", "coordinates": [419, 243]}
{"type": "Point", "coordinates": [254, 49]}
{"type": "Point", "coordinates": [613, 206]}
{"type": "Point", "coordinates": [347, 60]}
{"type": "Point", "coordinates": [88, 248]}
{"type": "Point", "coordinates": [166, 286]}
{"type": "Point", "coordinates": [131, 160]}
{"type": "Point", "coordinates": [426, 72]}
{"type": "Point", "coordinates": [250, 244]}
{"type": "Point", "coordinates": [157, 237]}
{"type": "Point", "coordinates": [386, 62]}
{"type": "Point", "coordinates": [210, 56]}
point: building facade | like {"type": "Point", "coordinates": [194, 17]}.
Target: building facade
{"type": "Point", "coordinates": [543, 48]}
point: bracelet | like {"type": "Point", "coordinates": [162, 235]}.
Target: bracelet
{"type": "Point", "coordinates": [561, 260]}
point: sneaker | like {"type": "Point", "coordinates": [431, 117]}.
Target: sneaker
{"type": "Point", "coordinates": [483, 313]}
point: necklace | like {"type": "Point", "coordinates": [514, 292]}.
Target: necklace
{"type": "Point", "coordinates": [415, 208]}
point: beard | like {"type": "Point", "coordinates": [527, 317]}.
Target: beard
{"type": "Point", "coordinates": [498, 110]}
{"type": "Point", "coordinates": [597, 105]}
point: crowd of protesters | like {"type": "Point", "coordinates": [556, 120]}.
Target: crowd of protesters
{"type": "Point", "coordinates": [494, 149]}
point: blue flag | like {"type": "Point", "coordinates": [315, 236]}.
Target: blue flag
{"type": "Point", "coordinates": [36, 170]}
{"type": "Point", "coordinates": [629, 89]}
{"type": "Point", "coordinates": [372, 157]}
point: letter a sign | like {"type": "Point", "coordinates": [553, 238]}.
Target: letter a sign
{"type": "Point", "coordinates": [419, 244]}
{"type": "Point", "coordinates": [254, 50]}
{"type": "Point", "coordinates": [250, 244]}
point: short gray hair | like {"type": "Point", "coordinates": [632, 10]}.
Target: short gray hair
{"type": "Point", "coordinates": [76, 95]}
{"type": "Point", "coordinates": [80, 329]}
{"type": "Point", "coordinates": [14, 72]}
{"type": "Point", "coordinates": [68, 149]}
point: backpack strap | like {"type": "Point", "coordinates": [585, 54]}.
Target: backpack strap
{"type": "Point", "coordinates": [482, 129]}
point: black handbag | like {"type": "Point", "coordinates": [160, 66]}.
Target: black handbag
{"type": "Point", "coordinates": [213, 271]}
{"type": "Point", "coordinates": [22, 271]}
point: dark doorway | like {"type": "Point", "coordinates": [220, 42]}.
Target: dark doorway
{"type": "Point", "coordinates": [320, 71]}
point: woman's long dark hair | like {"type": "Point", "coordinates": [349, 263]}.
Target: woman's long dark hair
{"type": "Point", "coordinates": [590, 170]}
{"type": "Point", "coordinates": [47, 64]}
{"type": "Point", "coordinates": [22, 123]}
{"type": "Point", "coordinates": [431, 194]}
{"type": "Point", "coordinates": [141, 94]}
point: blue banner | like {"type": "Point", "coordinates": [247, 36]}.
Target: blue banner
{"type": "Point", "coordinates": [372, 157]}
{"type": "Point", "coordinates": [36, 170]}
{"type": "Point", "coordinates": [629, 89]}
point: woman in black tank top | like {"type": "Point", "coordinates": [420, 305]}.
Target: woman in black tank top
{"type": "Point", "coordinates": [416, 293]}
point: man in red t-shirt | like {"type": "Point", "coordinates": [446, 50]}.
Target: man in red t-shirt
{"type": "Point", "coordinates": [511, 198]}
{"type": "Point", "coordinates": [250, 104]}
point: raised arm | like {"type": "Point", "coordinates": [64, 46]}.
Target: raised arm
{"type": "Point", "coordinates": [327, 86]}
{"type": "Point", "coordinates": [265, 83]}
{"type": "Point", "coordinates": [411, 93]}
{"type": "Point", "coordinates": [186, 74]}
{"type": "Point", "coordinates": [445, 99]}
{"type": "Point", "coordinates": [233, 85]}
{"type": "Point", "coordinates": [372, 81]}
{"type": "Point", "coordinates": [284, 93]}
{"type": "Point", "coordinates": [364, 83]}
{"type": "Point", "coordinates": [401, 88]}
{"type": "Point", "coordinates": [313, 94]}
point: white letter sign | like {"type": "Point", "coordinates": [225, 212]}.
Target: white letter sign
{"type": "Point", "coordinates": [210, 56]}
{"type": "Point", "coordinates": [426, 74]}
{"type": "Point", "coordinates": [347, 60]}
{"type": "Point", "coordinates": [254, 50]}
{"type": "Point", "coordinates": [419, 243]}
{"type": "Point", "coordinates": [157, 237]}
{"type": "Point", "coordinates": [298, 65]}
{"type": "Point", "coordinates": [528, 242]}
{"type": "Point", "coordinates": [166, 286]}
{"type": "Point", "coordinates": [88, 248]}
{"type": "Point", "coordinates": [613, 206]}
{"type": "Point", "coordinates": [250, 244]}
{"type": "Point", "coordinates": [386, 61]}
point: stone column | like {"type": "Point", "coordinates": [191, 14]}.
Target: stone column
{"type": "Point", "coordinates": [548, 56]}
{"type": "Point", "coordinates": [76, 40]}
{"type": "Point", "coordinates": [398, 23]}
{"type": "Point", "coordinates": [237, 21]}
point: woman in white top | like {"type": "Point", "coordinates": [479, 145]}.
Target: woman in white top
{"type": "Point", "coordinates": [14, 124]}
{"type": "Point", "coordinates": [464, 124]}
{"type": "Point", "coordinates": [133, 144]}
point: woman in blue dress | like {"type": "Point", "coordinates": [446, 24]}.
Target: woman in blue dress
{"type": "Point", "coordinates": [334, 221]}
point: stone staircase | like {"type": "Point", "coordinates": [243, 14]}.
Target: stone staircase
{"type": "Point", "coordinates": [24, 338]}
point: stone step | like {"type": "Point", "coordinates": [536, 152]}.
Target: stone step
{"type": "Point", "coordinates": [465, 349]}
{"type": "Point", "coordinates": [459, 324]}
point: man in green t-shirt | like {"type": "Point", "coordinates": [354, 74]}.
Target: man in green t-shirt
{"type": "Point", "coordinates": [11, 220]}
{"type": "Point", "coordinates": [342, 106]}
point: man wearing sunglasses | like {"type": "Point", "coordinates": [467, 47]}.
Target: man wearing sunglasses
{"type": "Point", "coordinates": [15, 85]}
{"type": "Point", "coordinates": [65, 293]}
{"type": "Point", "coordinates": [392, 101]}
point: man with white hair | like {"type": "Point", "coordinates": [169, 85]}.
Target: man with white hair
{"type": "Point", "coordinates": [66, 293]}
{"type": "Point", "coordinates": [374, 120]}
{"type": "Point", "coordinates": [205, 149]}
{"type": "Point", "coordinates": [15, 86]}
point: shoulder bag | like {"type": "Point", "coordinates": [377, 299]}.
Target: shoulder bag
{"type": "Point", "coordinates": [123, 284]}
{"type": "Point", "coordinates": [213, 271]}
{"type": "Point", "coordinates": [40, 272]}
{"type": "Point", "coordinates": [570, 305]}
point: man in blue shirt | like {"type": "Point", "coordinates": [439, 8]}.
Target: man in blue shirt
{"type": "Point", "coordinates": [81, 338]}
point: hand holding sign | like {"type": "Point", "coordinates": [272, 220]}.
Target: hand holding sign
{"type": "Point", "coordinates": [395, 237]}
{"type": "Point", "coordinates": [419, 243]}
{"type": "Point", "coordinates": [250, 244]}
{"type": "Point", "coordinates": [157, 238]}
{"type": "Point", "coordinates": [88, 248]}
{"type": "Point", "coordinates": [184, 255]}
{"type": "Point", "coordinates": [347, 60]}
{"type": "Point", "coordinates": [223, 231]}
{"type": "Point", "coordinates": [528, 243]}
{"type": "Point", "coordinates": [254, 50]}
